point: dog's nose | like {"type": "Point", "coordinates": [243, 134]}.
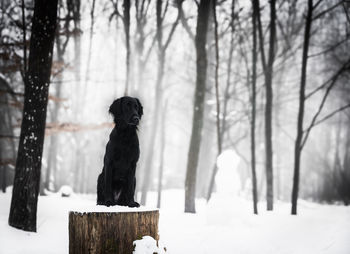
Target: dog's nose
{"type": "Point", "coordinates": [135, 120]}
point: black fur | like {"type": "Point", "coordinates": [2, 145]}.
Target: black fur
{"type": "Point", "coordinates": [116, 184]}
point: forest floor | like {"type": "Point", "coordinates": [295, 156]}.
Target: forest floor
{"type": "Point", "coordinates": [224, 225]}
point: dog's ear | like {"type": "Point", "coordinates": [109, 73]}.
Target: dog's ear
{"type": "Point", "coordinates": [140, 111]}
{"type": "Point", "coordinates": [116, 108]}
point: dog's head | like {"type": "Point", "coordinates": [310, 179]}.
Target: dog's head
{"type": "Point", "coordinates": [126, 110]}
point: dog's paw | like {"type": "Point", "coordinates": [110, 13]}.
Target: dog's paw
{"type": "Point", "coordinates": [108, 203]}
{"type": "Point", "coordinates": [133, 204]}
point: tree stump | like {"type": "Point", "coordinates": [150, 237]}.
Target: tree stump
{"type": "Point", "coordinates": [110, 232]}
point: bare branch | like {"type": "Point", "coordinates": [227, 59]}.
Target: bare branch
{"type": "Point", "coordinates": [329, 49]}
{"type": "Point", "coordinates": [314, 119]}
{"type": "Point", "coordinates": [165, 10]}
{"type": "Point", "coordinates": [116, 11]}
{"type": "Point", "coordinates": [317, 4]}
{"type": "Point", "coordinates": [9, 136]}
{"type": "Point", "coordinates": [346, 13]}
{"type": "Point", "coordinates": [150, 49]}
{"type": "Point", "coordinates": [332, 114]}
{"type": "Point", "coordinates": [5, 162]}
{"type": "Point", "coordinates": [171, 33]}
{"type": "Point", "coordinates": [184, 22]}
{"type": "Point", "coordinates": [327, 10]}
{"type": "Point", "coordinates": [332, 79]}
{"type": "Point", "coordinates": [261, 36]}
{"type": "Point", "coordinates": [9, 90]}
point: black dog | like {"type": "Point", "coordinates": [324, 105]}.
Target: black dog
{"type": "Point", "coordinates": [116, 184]}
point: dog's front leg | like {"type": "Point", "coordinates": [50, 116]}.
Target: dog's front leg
{"type": "Point", "coordinates": [108, 186]}
{"type": "Point", "coordinates": [131, 192]}
{"type": "Point", "coordinates": [131, 185]}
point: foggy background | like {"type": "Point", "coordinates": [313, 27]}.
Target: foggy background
{"type": "Point", "coordinates": [90, 72]}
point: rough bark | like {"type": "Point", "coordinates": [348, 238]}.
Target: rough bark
{"type": "Point", "coordinates": [28, 166]}
{"type": "Point", "coordinates": [110, 232]}
{"type": "Point", "coordinates": [198, 107]}
{"type": "Point", "coordinates": [299, 138]}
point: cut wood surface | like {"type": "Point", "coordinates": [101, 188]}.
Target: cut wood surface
{"type": "Point", "coordinates": [110, 232]}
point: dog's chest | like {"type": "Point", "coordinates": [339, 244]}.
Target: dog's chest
{"type": "Point", "coordinates": [127, 148]}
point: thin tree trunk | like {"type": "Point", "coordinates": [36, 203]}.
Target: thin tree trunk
{"type": "Point", "coordinates": [60, 50]}
{"type": "Point", "coordinates": [126, 20]}
{"type": "Point", "coordinates": [253, 120]}
{"type": "Point", "coordinates": [217, 97]}
{"type": "Point", "coordinates": [80, 93]}
{"type": "Point", "coordinates": [52, 158]}
{"type": "Point", "coordinates": [90, 43]}
{"type": "Point", "coordinates": [162, 47]}
{"type": "Point", "coordinates": [24, 38]}
{"type": "Point", "coordinates": [198, 107]}
{"type": "Point", "coordinates": [2, 170]}
{"type": "Point", "coordinates": [5, 127]}
{"type": "Point", "coordinates": [37, 79]}
{"type": "Point", "coordinates": [299, 138]}
{"type": "Point", "coordinates": [157, 101]}
{"type": "Point", "coordinates": [229, 66]}
{"type": "Point", "coordinates": [268, 108]}
{"type": "Point", "coordinates": [162, 152]}
{"type": "Point", "coordinates": [3, 178]}
{"type": "Point", "coordinates": [141, 7]}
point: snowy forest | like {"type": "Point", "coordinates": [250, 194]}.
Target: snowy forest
{"type": "Point", "coordinates": [244, 140]}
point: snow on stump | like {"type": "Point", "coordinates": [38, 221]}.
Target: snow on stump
{"type": "Point", "coordinates": [110, 229]}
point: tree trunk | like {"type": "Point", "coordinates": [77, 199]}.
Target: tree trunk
{"type": "Point", "coordinates": [141, 10]}
{"type": "Point", "coordinates": [126, 21]}
{"type": "Point", "coordinates": [253, 120]}
{"type": "Point", "coordinates": [52, 158]}
{"type": "Point", "coordinates": [92, 22]}
{"type": "Point", "coordinates": [28, 166]}
{"type": "Point", "coordinates": [162, 152]}
{"type": "Point", "coordinates": [198, 108]}
{"type": "Point", "coordinates": [268, 108]}
{"type": "Point", "coordinates": [162, 47]}
{"type": "Point", "coordinates": [5, 127]}
{"type": "Point", "coordinates": [80, 94]}
{"type": "Point", "coordinates": [218, 123]}
{"type": "Point", "coordinates": [298, 141]}
{"type": "Point", "coordinates": [3, 178]}
{"type": "Point", "coordinates": [157, 103]}
{"type": "Point", "coordinates": [110, 232]}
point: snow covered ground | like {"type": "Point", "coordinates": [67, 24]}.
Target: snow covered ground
{"type": "Point", "coordinates": [225, 225]}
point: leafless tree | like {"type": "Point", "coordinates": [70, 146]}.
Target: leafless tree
{"type": "Point", "coordinates": [198, 107]}
{"type": "Point", "coordinates": [37, 79]}
{"type": "Point", "coordinates": [162, 48]}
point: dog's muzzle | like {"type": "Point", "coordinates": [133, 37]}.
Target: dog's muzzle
{"type": "Point", "coordinates": [135, 120]}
